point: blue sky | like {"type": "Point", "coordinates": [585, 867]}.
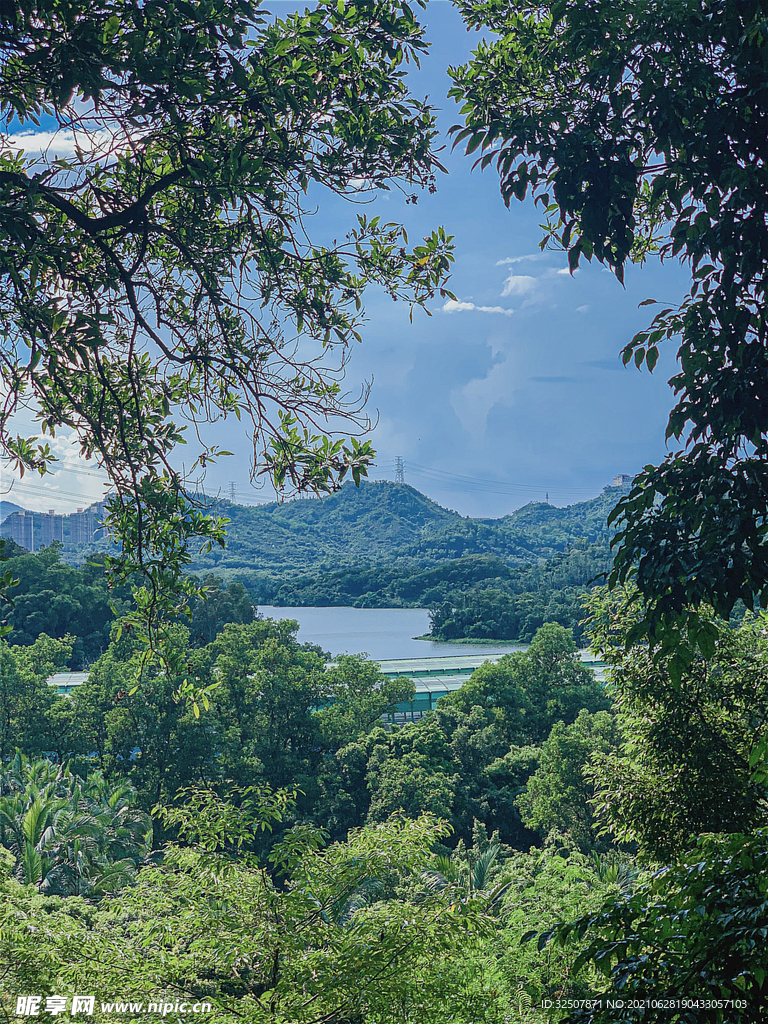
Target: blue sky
{"type": "Point", "coordinates": [516, 391]}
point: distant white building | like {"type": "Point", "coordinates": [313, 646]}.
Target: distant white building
{"type": "Point", "coordinates": [621, 479]}
{"type": "Point", "coordinates": [85, 525]}
{"type": "Point", "coordinates": [51, 528]}
{"type": "Point", "coordinates": [39, 529]}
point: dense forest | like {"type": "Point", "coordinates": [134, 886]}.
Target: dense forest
{"type": "Point", "coordinates": [58, 600]}
{"type": "Point", "coordinates": [483, 579]}
{"type": "Point", "coordinates": [380, 523]}
{"type": "Point", "coordinates": [531, 797]}
{"type": "Point", "coordinates": [528, 798]}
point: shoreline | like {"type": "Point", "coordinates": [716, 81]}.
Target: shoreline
{"type": "Point", "coordinates": [468, 640]}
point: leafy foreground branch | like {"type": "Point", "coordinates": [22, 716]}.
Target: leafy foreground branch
{"type": "Point", "coordinates": [164, 273]}
{"type": "Point", "coordinates": [639, 128]}
{"type": "Point", "coordinates": [694, 937]}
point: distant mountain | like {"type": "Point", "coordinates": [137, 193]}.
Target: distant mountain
{"type": "Point", "coordinates": [7, 508]}
{"type": "Point", "coordinates": [386, 541]}
{"type": "Point", "coordinates": [534, 532]}
{"type": "Point", "coordinates": [371, 522]}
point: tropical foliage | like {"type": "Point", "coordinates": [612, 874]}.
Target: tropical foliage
{"type": "Point", "coordinates": [68, 835]}
{"type": "Point", "coordinates": [536, 848]}
{"type": "Point", "coordinates": [489, 579]}
{"type": "Point", "coordinates": [527, 768]}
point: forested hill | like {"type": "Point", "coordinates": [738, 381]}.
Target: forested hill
{"type": "Point", "coordinates": [484, 579]}
{"type": "Point", "coordinates": [382, 522]}
{"type": "Point", "coordinates": [387, 545]}
{"type": "Point", "coordinates": [370, 522]}
{"type": "Point", "coordinates": [536, 531]}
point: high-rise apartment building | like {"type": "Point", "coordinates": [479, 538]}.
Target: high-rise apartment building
{"type": "Point", "coordinates": [85, 524]}
{"type": "Point", "coordinates": [51, 528]}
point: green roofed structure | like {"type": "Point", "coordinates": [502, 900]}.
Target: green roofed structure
{"type": "Point", "coordinates": [434, 678]}
{"type": "Point", "coordinates": [66, 682]}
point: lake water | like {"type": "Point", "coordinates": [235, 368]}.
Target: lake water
{"type": "Point", "coordinates": [381, 633]}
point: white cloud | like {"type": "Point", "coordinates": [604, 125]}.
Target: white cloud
{"type": "Point", "coordinates": [519, 284]}
{"type": "Point", "coordinates": [361, 184]}
{"type": "Point", "coordinates": [474, 401]}
{"type": "Point", "coordinates": [522, 259]}
{"type": "Point", "coordinates": [533, 290]}
{"type": "Point", "coordinates": [73, 483]}
{"type": "Point", "coordinates": [64, 143]}
{"type": "Point", "coordinates": [454, 306]}
{"type": "Point", "coordinates": [582, 309]}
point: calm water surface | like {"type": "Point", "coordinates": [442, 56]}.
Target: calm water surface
{"type": "Point", "coordinates": [381, 633]}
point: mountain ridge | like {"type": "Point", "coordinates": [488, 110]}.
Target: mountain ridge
{"type": "Point", "coordinates": [7, 508]}
{"type": "Point", "coordinates": [381, 525]}
{"type": "Point", "coordinates": [301, 561]}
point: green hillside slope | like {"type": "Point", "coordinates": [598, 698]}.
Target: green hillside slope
{"type": "Point", "coordinates": [382, 522]}
{"type": "Point", "coordinates": [370, 522]}
{"type": "Point", "coordinates": [387, 545]}
{"type": "Point", "coordinates": [529, 534]}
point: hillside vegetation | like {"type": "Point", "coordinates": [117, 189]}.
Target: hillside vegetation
{"type": "Point", "coordinates": [383, 527]}
{"type": "Point", "coordinates": [483, 578]}
{"type": "Point", "coordinates": [384, 521]}
{"type": "Point", "coordinates": [382, 545]}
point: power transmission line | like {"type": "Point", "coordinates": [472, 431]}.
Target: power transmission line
{"type": "Point", "coordinates": [38, 492]}
{"type": "Point", "coordinates": [485, 484]}
{"type": "Point", "coordinates": [466, 484]}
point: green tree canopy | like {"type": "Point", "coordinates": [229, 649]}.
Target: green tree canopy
{"type": "Point", "coordinates": [54, 598]}
{"type": "Point", "coordinates": [640, 127]}
{"type": "Point", "coordinates": [357, 696]}
{"type": "Point", "coordinates": [27, 702]}
{"type": "Point", "coordinates": [165, 271]}
{"type": "Point", "coordinates": [531, 690]}
{"type": "Point", "coordinates": [687, 739]}
{"type": "Point", "coordinates": [559, 795]}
